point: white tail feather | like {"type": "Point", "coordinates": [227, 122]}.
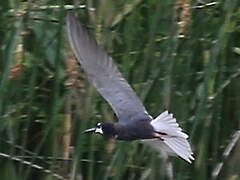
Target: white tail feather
{"type": "Point", "coordinates": [168, 130]}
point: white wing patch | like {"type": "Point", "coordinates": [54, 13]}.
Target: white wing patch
{"type": "Point", "coordinates": [166, 123]}
{"type": "Point", "coordinates": [168, 130]}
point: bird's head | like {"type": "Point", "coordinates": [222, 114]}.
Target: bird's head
{"type": "Point", "coordinates": [107, 129]}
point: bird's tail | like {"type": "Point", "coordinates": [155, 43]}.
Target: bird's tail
{"type": "Point", "coordinates": [168, 130]}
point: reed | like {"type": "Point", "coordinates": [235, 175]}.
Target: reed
{"type": "Point", "coordinates": [178, 55]}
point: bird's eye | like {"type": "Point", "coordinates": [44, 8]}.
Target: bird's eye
{"type": "Point", "coordinates": [98, 125]}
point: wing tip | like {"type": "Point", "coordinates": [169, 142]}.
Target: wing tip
{"type": "Point", "coordinates": [70, 15]}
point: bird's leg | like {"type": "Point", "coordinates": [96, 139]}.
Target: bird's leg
{"type": "Point", "coordinates": [158, 134]}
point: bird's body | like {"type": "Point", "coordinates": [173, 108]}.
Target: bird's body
{"type": "Point", "coordinates": [134, 121]}
{"type": "Point", "coordinates": [130, 131]}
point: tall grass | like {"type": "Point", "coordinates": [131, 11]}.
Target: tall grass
{"type": "Point", "coordinates": [182, 56]}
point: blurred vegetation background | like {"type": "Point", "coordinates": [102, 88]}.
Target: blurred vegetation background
{"type": "Point", "coordinates": [181, 55]}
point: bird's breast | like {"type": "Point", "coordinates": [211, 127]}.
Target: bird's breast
{"type": "Point", "coordinates": [141, 129]}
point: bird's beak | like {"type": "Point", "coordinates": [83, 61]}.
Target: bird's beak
{"type": "Point", "coordinates": [89, 130]}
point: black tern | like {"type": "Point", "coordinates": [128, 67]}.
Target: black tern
{"type": "Point", "coordinates": [134, 121]}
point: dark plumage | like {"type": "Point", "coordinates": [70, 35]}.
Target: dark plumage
{"type": "Point", "coordinates": [130, 131]}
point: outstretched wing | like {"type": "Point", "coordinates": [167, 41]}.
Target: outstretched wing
{"type": "Point", "coordinates": [103, 73]}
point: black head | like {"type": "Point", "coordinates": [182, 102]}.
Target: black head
{"type": "Point", "coordinates": [106, 129]}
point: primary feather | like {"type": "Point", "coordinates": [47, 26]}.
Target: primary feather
{"type": "Point", "coordinates": [103, 73]}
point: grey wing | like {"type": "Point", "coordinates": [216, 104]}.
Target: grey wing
{"type": "Point", "coordinates": [103, 73]}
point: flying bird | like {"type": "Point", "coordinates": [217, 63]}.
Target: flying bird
{"type": "Point", "coordinates": [134, 123]}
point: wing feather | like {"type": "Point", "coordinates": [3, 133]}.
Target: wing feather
{"type": "Point", "coordinates": [103, 73]}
